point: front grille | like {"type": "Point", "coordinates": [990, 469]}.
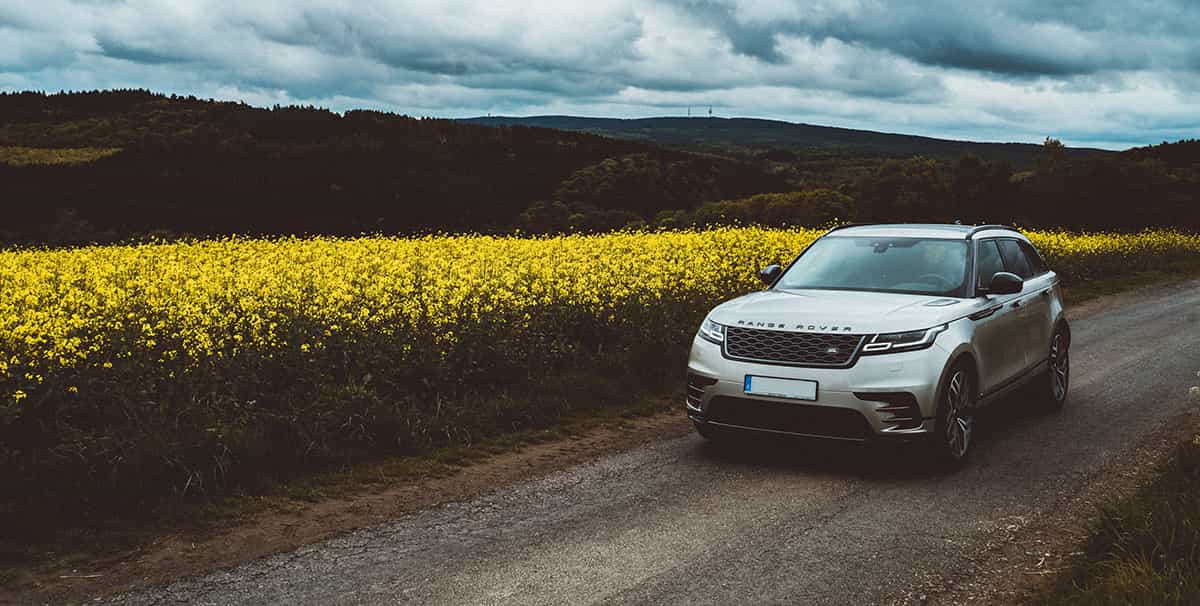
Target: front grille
{"type": "Point", "coordinates": [793, 348]}
{"type": "Point", "coordinates": [827, 421]}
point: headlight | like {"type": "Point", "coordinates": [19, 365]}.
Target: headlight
{"type": "Point", "coordinates": [903, 341]}
{"type": "Point", "coordinates": [712, 332]}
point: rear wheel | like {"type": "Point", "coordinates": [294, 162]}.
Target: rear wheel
{"type": "Point", "coordinates": [1057, 380]}
{"type": "Point", "coordinates": [955, 426]}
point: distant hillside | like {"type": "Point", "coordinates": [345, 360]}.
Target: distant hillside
{"type": "Point", "coordinates": [130, 162]}
{"type": "Point", "coordinates": [105, 166]}
{"type": "Point", "coordinates": [1181, 154]}
{"type": "Point", "coordinates": [783, 136]}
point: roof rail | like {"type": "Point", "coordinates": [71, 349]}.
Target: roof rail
{"type": "Point", "coordinates": [845, 225]}
{"type": "Point", "coordinates": [979, 228]}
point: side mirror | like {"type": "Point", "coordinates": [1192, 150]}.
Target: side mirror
{"type": "Point", "coordinates": [769, 273]}
{"type": "Point", "coordinates": [1004, 283]}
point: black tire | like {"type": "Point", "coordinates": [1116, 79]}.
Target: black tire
{"type": "Point", "coordinates": [1055, 383]}
{"type": "Point", "coordinates": [955, 426]}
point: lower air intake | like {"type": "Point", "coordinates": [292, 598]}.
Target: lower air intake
{"type": "Point", "coordinates": [825, 421]}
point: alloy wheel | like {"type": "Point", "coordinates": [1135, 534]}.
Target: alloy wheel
{"type": "Point", "coordinates": [958, 423]}
{"type": "Point", "coordinates": [1060, 367]}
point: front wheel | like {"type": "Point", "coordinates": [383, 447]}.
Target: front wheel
{"type": "Point", "coordinates": [1057, 379]}
{"type": "Point", "coordinates": [955, 426]}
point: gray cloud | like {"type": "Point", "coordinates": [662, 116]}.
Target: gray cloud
{"type": "Point", "coordinates": [753, 39]}
{"type": "Point", "coordinates": [1016, 38]}
{"type": "Point", "coordinates": [1089, 71]}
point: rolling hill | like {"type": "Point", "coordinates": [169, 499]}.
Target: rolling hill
{"type": "Point", "coordinates": [108, 165]}
{"type": "Point", "coordinates": [799, 139]}
{"type": "Point", "coordinates": [133, 162]}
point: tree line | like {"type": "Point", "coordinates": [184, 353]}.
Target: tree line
{"type": "Point", "coordinates": [180, 166]}
{"type": "Point", "coordinates": [195, 167]}
{"type": "Point", "coordinates": [1155, 186]}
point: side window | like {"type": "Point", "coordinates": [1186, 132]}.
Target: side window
{"type": "Point", "coordinates": [988, 261]}
{"type": "Point", "coordinates": [1035, 260]}
{"type": "Point", "coordinates": [1014, 259]}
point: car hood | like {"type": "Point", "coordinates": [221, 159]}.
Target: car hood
{"type": "Point", "coordinates": [841, 311]}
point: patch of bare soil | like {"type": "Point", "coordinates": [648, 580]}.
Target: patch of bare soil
{"type": "Point", "coordinates": [292, 523]}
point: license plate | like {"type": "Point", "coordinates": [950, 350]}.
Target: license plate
{"type": "Point", "coordinates": [798, 389]}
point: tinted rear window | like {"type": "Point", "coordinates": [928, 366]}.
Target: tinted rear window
{"type": "Point", "coordinates": [1035, 259]}
{"type": "Point", "coordinates": [1014, 259]}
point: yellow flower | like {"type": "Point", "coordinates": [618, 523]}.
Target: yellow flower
{"type": "Point", "coordinates": [193, 303]}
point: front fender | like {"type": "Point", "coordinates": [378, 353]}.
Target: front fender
{"type": "Point", "coordinates": [961, 351]}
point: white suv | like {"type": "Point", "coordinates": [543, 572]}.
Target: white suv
{"type": "Point", "coordinates": [884, 330]}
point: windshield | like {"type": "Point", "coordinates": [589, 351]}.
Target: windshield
{"type": "Point", "coordinates": [902, 265]}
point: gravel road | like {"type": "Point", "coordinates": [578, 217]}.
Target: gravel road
{"type": "Point", "coordinates": [681, 522]}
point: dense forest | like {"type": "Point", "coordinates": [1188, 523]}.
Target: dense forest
{"type": "Point", "coordinates": [188, 166]}
{"type": "Point", "coordinates": [1156, 186]}
{"type": "Point", "coordinates": [114, 165]}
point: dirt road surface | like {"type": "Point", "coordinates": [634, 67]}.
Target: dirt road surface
{"type": "Point", "coordinates": [682, 522]}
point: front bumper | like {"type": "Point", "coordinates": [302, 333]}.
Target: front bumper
{"type": "Point", "coordinates": [840, 391]}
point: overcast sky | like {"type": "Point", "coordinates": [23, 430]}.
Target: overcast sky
{"type": "Point", "coordinates": [1109, 73]}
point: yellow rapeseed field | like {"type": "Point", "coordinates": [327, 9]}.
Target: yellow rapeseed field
{"type": "Point", "coordinates": [211, 365]}
{"type": "Point", "coordinates": [89, 308]}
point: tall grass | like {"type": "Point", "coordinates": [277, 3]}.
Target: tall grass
{"type": "Point", "coordinates": [1145, 549]}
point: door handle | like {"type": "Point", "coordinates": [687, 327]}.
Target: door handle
{"type": "Point", "coordinates": [1045, 293]}
{"type": "Point", "coordinates": [1016, 304]}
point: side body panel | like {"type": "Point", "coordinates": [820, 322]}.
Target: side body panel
{"type": "Point", "coordinates": [999, 343]}
{"type": "Point", "coordinates": [1039, 319]}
